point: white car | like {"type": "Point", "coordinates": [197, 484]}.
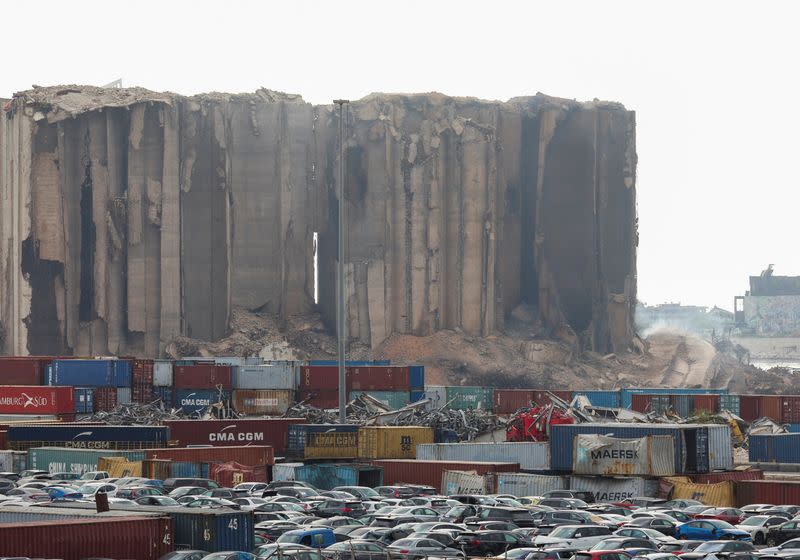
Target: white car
{"type": "Point", "coordinates": [644, 533]}
{"type": "Point", "coordinates": [758, 526]}
{"type": "Point", "coordinates": [252, 488]}
{"type": "Point", "coordinates": [581, 537]}
{"type": "Point", "coordinates": [91, 488]}
{"type": "Point", "coordinates": [249, 504]}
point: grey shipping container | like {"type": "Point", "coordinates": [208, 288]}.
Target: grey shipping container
{"type": "Point", "coordinates": [79, 461]}
{"type": "Point", "coordinates": [162, 373]}
{"type": "Point", "coordinates": [610, 489]}
{"type": "Point", "coordinates": [285, 471]}
{"type": "Point", "coordinates": [463, 482]}
{"type": "Point", "coordinates": [124, 395]}
{"type": "Point", "coordinates": [266, 377]}
{"type": "Point", "coordinates": [606, 456]}
{"type": "Point", "coordinates": [531, 456]}
{"type": "Point", "coordinates": [698, 448]}
{"type": "Point", "coordinates": [13, 461]}
{"type": "Point", "coordinates": [436, 394]}
{"type": "Point", "coordinates": [326, 476]}
{"type": "Point", "coordinates": [525, 484]}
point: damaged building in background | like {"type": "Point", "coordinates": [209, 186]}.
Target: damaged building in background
{"type": "Point", "coordinates": [131, 217]}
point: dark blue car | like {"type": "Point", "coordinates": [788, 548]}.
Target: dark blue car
{"type": "Point", "coordinates": [710, 530]}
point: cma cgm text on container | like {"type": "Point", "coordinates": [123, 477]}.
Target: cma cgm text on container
{"type": "Point", "coordinates": [264, 431]}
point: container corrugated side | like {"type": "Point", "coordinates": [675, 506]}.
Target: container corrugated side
{"type": "Point", "coordinates": [416, 377]}
{"type": "Point", "coordinates": [605, 399]}
{"type": "Point", "coordinates": [90, 373]}
{"type": "Point", "coordinates": [213, 530]}
{"type": "Point", "coordinates": [13, 461]}
{"type": "Point", "coordinates": [736, 476]}
{"type": "Point", "coordinates": [437, 395]}
{"type": "Point", "coordinates": [614, 489]}
{"type": "Point", "coordinates": [79, 461]}
{"type": "Point", "coordinates": [86, 436]}
{"type": "Point", "coordinates": [776, 492]}
{"type": "Point", "coordinates": [266, 377]}
{"type": "Point", "coordinates": [259, 431]}
{"type": "Point", "coordinates": [162, 373]}
{"type": "Point", "coordinates": [327, 476]}
{"type": "Point", "coordinates": [285, 471]}
{"type": "Point", "coordinates": [143, 538]}
{"type": "Point", "coordinates": [393, 399]}
{"type": "Point", "coordinates": [197, 400]}
{"type": "Point", "coordinates": [392, 442]}
{"type": "Point", "coordinates": [730, 403]}
{"type": "Point", "coordinates": [507, 401]}
{"type": "Point", "coordinates": [270, 402]}
{"type": "Point", "coordinates": [596, 454]}
{"type": "Point", "coordinates": [339, 442]}
{"type": "Point", "coordinates": [23, 399]}
{"type": "Point", "coordinates": [124, 395]}
{"type": "Point", "coordinates": [625, 394]}
{"type": "Point", "coordinates": [247, 453]}
{"type": "Point", "coordinates": [463, 482]}
{"type": "Point", "coordinates": [774, 448]}
{"type": "Point", "coordinates": [462, 398]}
{"type": "Point", "coordinates": [720, 449]}
{"type": "Point", "coordinates": [410, 471]}
{"type": "Point", "coordinates": [525, 484]}
{"type": "Point", "coordinates": [20, 370]}
{"type": "Point", "coordinates": [531, 456]}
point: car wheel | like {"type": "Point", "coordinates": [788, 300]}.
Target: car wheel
{"type": "Point", "coordinates": [759, 539]}
{"type": "Point", "coordinates": [771, 541]}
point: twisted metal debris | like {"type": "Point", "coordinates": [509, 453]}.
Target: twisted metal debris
{"type": "Point", "coordinates": [140, 414]}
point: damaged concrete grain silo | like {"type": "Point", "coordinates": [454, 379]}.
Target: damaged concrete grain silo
{"type": "Point", "coordinates": [131, 217]}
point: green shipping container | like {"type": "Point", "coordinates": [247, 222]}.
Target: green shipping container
{"type": "Point", "coordinates": [462, 398]}
{"type": "Point", "coordinates": [392, 399]}
{"type": "Point", "coordinates": [79, 461]}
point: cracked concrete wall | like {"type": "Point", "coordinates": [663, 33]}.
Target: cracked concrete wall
{"type": "Point", "coordinates": [130, 217]}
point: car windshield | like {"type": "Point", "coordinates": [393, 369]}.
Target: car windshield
{"type": "Point", "coordinates": [607, 544]}
{"type": "Point", "coordinates": [365, 492]}
{"type": "Point", "coordinates": [754, 521]}
{"type": "Point", "coordinates": [710, 547]}
{"type": "Point", "coordinates": [88, 489]}
{"type": "Point", "coordinates": [289, 538]}
{"type": "Point", "coordinates": [562, 532]}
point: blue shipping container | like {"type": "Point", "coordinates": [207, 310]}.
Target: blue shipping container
{"type": "Point", "coordinates": [298, 434]}
{"type": "Point", "coordinates": [84, 400]}
{"type": "Point", "coordinates": [165, 394]}
{"type": "Point", "coordinates": [195, 400]}
{"type": "Point", "coordinates": [775, 448]}
{"type": "Point", "coordinates": [213, 530]}
{"type": "Point", "coordinates": [183, 469]}
{"type": "Point", "coordinates": [605, 399]}
{"type": "Point", "coordinates": [417, 377]}
{"type": "Point", "coordinates": [90, 373]}
{"type": "Point", "coordinates": [794, 428]}
{"type": "Point", "coordinates": [88, 436]}
{"type": "Point", "coordinates": [626, 394]}
{"type": "Point", "coordinates": [730, 403]}
{"type": "Point", "coordinates": [415, 396]}
{"type": "Point", "coordinates": [326, 476]}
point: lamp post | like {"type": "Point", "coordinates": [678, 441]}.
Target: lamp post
{"type": "Point", "coordinates": [340, 270]}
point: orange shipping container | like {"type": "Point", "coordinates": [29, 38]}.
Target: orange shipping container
{"type": "Point", "coordinates": [708, 403]}
{"type": "Point", "coordinates": [255, 455]}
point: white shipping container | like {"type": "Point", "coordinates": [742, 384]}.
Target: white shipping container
{"type": "Point", "coordinates": [607, 456]}
{"type": "Point", "coordinates": [285, 471]}
{"type": "Point", "coordinates": [13, 461]}
{"type": "Point", "coordinates": [266, 377]}
{"type": "Point", "coordinates": [437, 394]}
{"type": "Point", "coordinates": [523, 484]}
{"type": "Point", "coordinates": [162, 373]}
{"type": "Point", "coordinates": [720, 449]}
{"type": "Point", "coordinates": [463, 482]}
{"type": "Point", "coordinates": [124, 395]}
{"type": "Point", "coordinates": [531, 456]}
{"type": "Point", "coordinates": [615, 489]}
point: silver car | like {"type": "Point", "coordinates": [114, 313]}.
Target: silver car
{"type": "Point", "coordinates": [415, 549]}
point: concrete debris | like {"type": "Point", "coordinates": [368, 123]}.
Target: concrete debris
{"type": "Point", "coordinates": [141, 218]}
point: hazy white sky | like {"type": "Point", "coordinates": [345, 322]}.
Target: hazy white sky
{"type": "Point", "coordinates": [714, 84]}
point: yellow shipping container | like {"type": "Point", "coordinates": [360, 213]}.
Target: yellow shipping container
{"type": "Point", "coordinates": [331, 445]}
{"type": "Point", "coordinates": [119, 467]}
{"type": "Point", "coordinates": [392, 442]}
{"type": "Point", "coordinates": [717, 495]}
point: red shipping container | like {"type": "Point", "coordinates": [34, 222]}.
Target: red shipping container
{"type": "Point", "coordinates": [715, 477]}
{"type": "Point", "coordinates": [230, 474]}
{"type": "Point", "coordinates": [142, 538]}
{"type": "Point", "coordinates": [23, 370]}
{"type": "Point", "coordinates": [541, 397]}
{"type": "Point", "coordinates": [749, 407]}
{"type": "Point", "coordinates": [770, 407]}
{"type": "Point", "coordinates": [105, 399]}
{"type": "Point", "coordinates": [507, 401]}
{"type": "Point", "coordinates": [25, 399]}
{"type": "Point", "coordinates": [378, 378]}
{"type": "Point", "coordinates": [321, 399]}
{"type": "Point", "coordinates": [640, 402]}
{"type": "Point", "coordinates": [255, 455]}
{"type": "Point", "coordinates": [142, 371]}
{"type": "Point", "coordinates": [223, 433]}
{"type": "Point", "coordinates": [790, 409]}
{"type": "Point", "coordinates": [319, 378]}
{"type": "Point", "coordinates": [203, 376]}
{"type": "Point", "coordinates": [429, 473]}
{"type": "Point", "coordinates": [709, 403]}
{"type": "Point", "coordinates": [776, 492]}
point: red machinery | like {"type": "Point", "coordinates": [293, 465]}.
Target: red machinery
{"type": "Point", "coordinates": [534, 425]}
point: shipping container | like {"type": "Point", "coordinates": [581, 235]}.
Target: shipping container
{"type": "Point", "coordinates": [462, 398]}
{"type": "Point", "coordinates": [753, 407]}
{"type": "Point", "coordinates": [706, 403]}
{"type": "Point", "coordinates": [414, 396]}
{"type": "Point", "coordinates": [776, 492]}
{"type": "Point", "coordinates": [603, 399]}
{"type": "Point", "coordinates": [729, 403]}
{"type": "Point", "coordinates": [3, 439]}
{"type": "Point", "coordinates": [627, 394]}
{"type": "Point", "coordinates": [437, 395]}
{"type": "Point", "coordinates": [261, 431]}
{"type": "Point", "coordinates": [105, 399]}
{"type": "Point", "coordinates": [614, 489]}
{"type": "Point", "coordinates": [790, 409]}
{"type": "Point", "coordinates": [20, 370]}
{"type": "Point", "coordinates": [252, 455]}
{"type": "Point", "coordinates": [321, 399]}
{"type": "Point", "coordinates": [525, 484]}
{"type": "Point", "coordinates": [641, 403]}
{"type": "Point", "coordinates": [266, 377]}
{"type": "Point", "coordinates": [86, 436]}
{"type": "Point", "coordinates": [13, 461]}
{"type": "Point", "coordinates": [429, 473]}
{"type": "Point", "coordinates": [197, 400]}
{"type": "Point", "coordinates": [213, 530]}
{"type": "Point", "coordinates": [596, 454]}
{"type": "Point", "coordinates": [349, 363]}
{"type": "Point", "coordinates": [393, 399]}
{"type": "Point", "coordinates": [142, 538]}
{"type": "Point", "coordinates": [464, 482]}
{"type": "Point", "coordinates": [203, 376]}
{"type": "Point", "coordinates": [141, 393]}
{"type": "Point", "coordinates": [262, 402]}
{"type": "Point", "coordinates": [318, 378]}
{"type": "Point", "coordinates": [698, 448]}
{"type": "Point", "coordinates": [541, 397]}
{"type": "Point", "coordinates": [84, 400]}
{"type": "Point", "coordinates": [22, 399]}
{"type": "Point", "coordinates": [90, 373]}
{"type": "Point", "coordinates": [683, 405]}
{"type": "Point", "coordinates": [188, 469]}
{"type": "Point", "coordinates": [379, 378]}
{"type": "Point", "coordinates": [165, 395]}
{"type": "Point", "coordinates": [416, 377]}
{"type": "Point", "coordinates": [793, 428]}
{"type": "Point", "coordinates": [162, 373]}
{"type": "Point", "coordinates": [228, 475]}
{"type": "Point", "coordinates": [285, 471]}
{"type": "Point", "coordinates": [327, 476]}
{"type": "Point", "coordinates": [774, 448]}
{"type": "Point", "coordinates": [392, 442]}
{"type": "Point", "coordinates": [735, 476]}
{"type": "Point", "coordinates": [531, 456]}
{"type": "Point", "coordinates": [79, 461]}
{"type": "Point", "coordinates": [507, 401]}
{"type": "Point", "coordinates": [323, 441]}
{"type": "Point", "coordinates": [659, 404]}
{"type": "Point", "coordinates": [749, 407]}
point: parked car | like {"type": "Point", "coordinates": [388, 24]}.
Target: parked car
{"type": "Point", "coordinates": [185, 555]}
{"type": "Point", "coordinates": [226, 493]}
{"type": "Point", "coordinates": [230, 555]}
{"type": "Point", "coordinates": [759, 526]}
{"type": "Point", "coordinates": [710, 530]}
{"type": "Point", "coordinates": [395, 492]}
{"type": "Point", "coordinates": [681, 503]}
{"type": "Point", "coordinates": [731, 515]}
{"type": "Point", "coordinates": [523, 554]}
{"type": "Point", "coordinates": [92, 488]}
{"type": "Point", "coordinates": [579, 536]}
{"type": "Point", "coordinates": [488, 543]}
{"type": "Point", "coordinates": [789, 546]}
{"type": "Point", "coordinates": [584, 495]}
{"type": "Point", "coordinates": [519, 516]}
{"type": "Point", "coordinates": [330, 507]}
{"type": "Point", "coordinates": [252, 488]}
{"type": "Point", "coordinates": [136, 492]}
{"type": "Point", "coordinates": [644, 533]}
{"type": "Point", "coordinates": [418, 549]}
{"type": "Point", "coordinates": [361, 492]}
{"type": "Point", "coordinates": [94, 475]}
{"type": "Point", "coordinates": [563, 503]}
{"type": "Point", "coordinates": [171, 484]}
{"type": "Point", "coordinates": [315, 537]}
{"type": "Point", "coordinates": [786, 531]}
{"type": "Point", "coordinates": [458, 514]}
{"type": "Point", "coordinates": [664, 526]}
{"type": "Point", "coordinates": [205, 502]}
{"type": "Point", "coordinates": [601, 555]}
{"type": "Point", "coordinates": [718, 548]}
{"type": "Point", "coordinates": [632, 545]}
{"type": "Point", "coordinates": [356, 549]}
{"type": "Point", "coordinates": [679, 547]}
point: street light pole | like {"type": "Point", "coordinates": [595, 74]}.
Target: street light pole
{"type": "Point", "coordinates": [340, 308]}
